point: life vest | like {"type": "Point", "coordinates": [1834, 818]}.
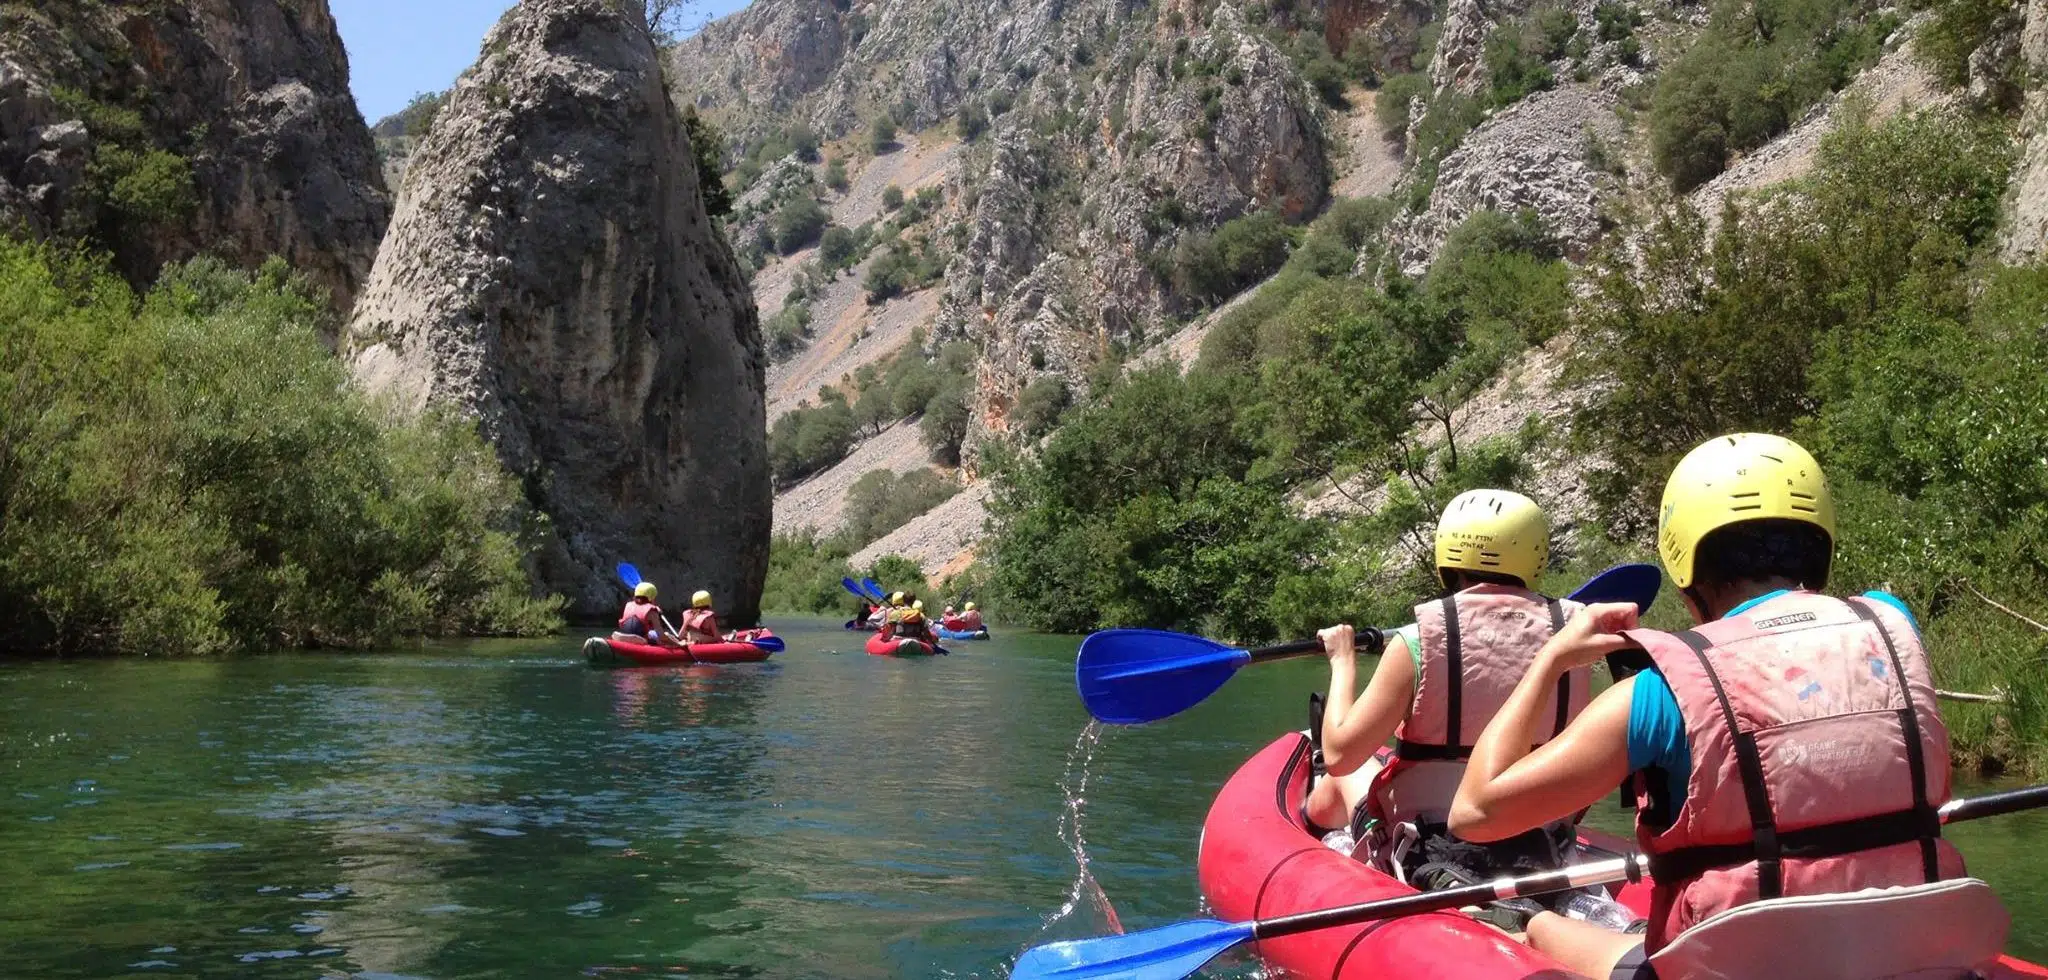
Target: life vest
{"type": "Point", "coordinates": [700, 626]}
{"type": "Point", "coordinates": [1476, 645]}
{"type": "Point", "coordinates": [1818, 760]}
{"type": "Point", "coordinates": [640, 618]}
{"type": "Point", "coordinates": [966, 622]}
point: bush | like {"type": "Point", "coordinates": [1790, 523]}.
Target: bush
{"type": "Point", "coordinates": [1751, 74]}
{"type": "Point", "coordinates": [840, 247]}
{"type": "Point", "coordinates": [944, 426]}
{"type": "Point", "coordinates": [809, 439]}
{"type": "Point", "coordinates": [1392, 106]}
{"type": "Point", "coordinates": [797, 223]}
{"type": "Point", "coordinates": [707, 149]}
{"type": "Point", "coordinates": [804, 574]}
{"type": "Point", "coordinates": [900, 269]}
{"type": "Point", "coordinates": [193, 473]}
{"type": "Point", "coordinates": [1215, 266]}
{"type": "Point", "coordinates": [835, 175]}
{"type": "Point", "coordinates": [788, 331]}
{"type": "Point", "coordinates": [1516, 64]}
{"type": "Point", "coordinates": [880, 502]}
{"type": "Point", "coordinates": [972, 121]}
{"type": "Point", "coordinates": [1334, 240]}
{"type": "Point", "coordinates": [892, 197]}
{"type": "Point", "coordinates": [1040, 406]}
{"type": "Point", "coordinates": [882, 134]}
{"type": "Point", "coordinates": [803, 141]}
{"type": "Point", "coordinates": [1735, 319]}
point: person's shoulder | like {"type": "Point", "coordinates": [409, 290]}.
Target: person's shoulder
{"type": "Point", "coordinates": [1877, 595]}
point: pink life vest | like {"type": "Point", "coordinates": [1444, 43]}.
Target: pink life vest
{"type": "Point", "coordinates": [966, 622]}
{"type": "Point", "coordinates": [1476, 645]}
{"type": "Point", "coordinates": [1815, 770]}
{"type": "Point", "coordinates": [648, 613]}
{"type": "Point", "coordinates": [700, 626]}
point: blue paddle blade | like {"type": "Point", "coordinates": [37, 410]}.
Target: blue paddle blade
{"type": "Point", "coordinates": [772, 644]}
{"type": "Point", "coordinates": [1166, 953]}
{"type": "Point", "coordinates": [1132, 676]}
{"type": "Point", "coordinates": [1637, 583]}
{"type": "Point", "coordinates": [849, 586]}
{"type": "Point", "coordinates": [874, 590]}
{"type": "Point", "coordinates": [629, 575]}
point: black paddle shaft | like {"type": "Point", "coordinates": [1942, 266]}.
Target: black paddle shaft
{"type": "Point", "coordinates": [1370, 643]}
{"type": "Point", "coordinates": [1563, 879]}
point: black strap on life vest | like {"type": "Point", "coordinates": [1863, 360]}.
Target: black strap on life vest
{"type": "Point", "coordinates": [1564, 680]}
{"type": "Point", "coordinates": [1767, 847]}
{"type": "Point", "coordinates": [1454, 661]}
{"type": "Point", "coordinates": [1925, 815]}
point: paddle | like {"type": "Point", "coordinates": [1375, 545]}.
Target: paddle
{"type": "Point", "coordinates": [849, 585]}
{"type": "Point", "coordinates": [1175, 951]}
{"type": "Point", "coordinates": [874, 590]}
{"type": "Point", "coordinates": [1133, 676]}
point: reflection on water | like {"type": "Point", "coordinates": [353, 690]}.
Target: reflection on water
{"type": "Point", "coordinates": [497, 809]}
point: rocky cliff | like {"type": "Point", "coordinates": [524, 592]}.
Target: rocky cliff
{"type": "Point", "coordinates": [164, 130]}
{"type": "Point", "coordinates": [552, 271]}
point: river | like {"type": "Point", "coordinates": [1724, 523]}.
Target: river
{"type": "Point", "coordinates": [496, 809]}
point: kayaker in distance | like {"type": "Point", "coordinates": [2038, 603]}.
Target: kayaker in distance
{"type": "Point", "coordinates": [967, 621]}
{"type": "Point", "coordinates": [1787, 746]}
{"type": "Point", "coordinates": [1438, 684]}
{"type": "Point", "coordinates": [700, 624]}
{"type": "Point", "coordinates": [642, 620]}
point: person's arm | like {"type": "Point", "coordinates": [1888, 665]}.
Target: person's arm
{"type": "Point", "coordinates": [1355, 728]}
{"type": "Point", "coordinates": [1508, 789]}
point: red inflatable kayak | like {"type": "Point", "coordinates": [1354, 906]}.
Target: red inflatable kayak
{"type": "Point", "coordinates": [603, 651]}
{"type": "Point", "coordinates": [901, 646]}
{"type": "Point", "coordinates": [1258, 860]}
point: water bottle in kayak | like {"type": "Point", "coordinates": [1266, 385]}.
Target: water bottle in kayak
{"type": "Point", "coordinates": [1598, 909]}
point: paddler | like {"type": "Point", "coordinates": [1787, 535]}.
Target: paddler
{"type": "Point", "coordinates": [700, 624]}
{"type": "Point", "coordinates": [968, 621]}
{"type": "Point", "coordinates": [1786, 746]}
{"type": "Point", "coordinates": [913, 624]}
{"type": "Point", "coordinates": [1438, 684]}
{"type": "Point", "coordinates": [642, 621]}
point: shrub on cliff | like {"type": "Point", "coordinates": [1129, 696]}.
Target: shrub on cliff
{"type": "Point", "coordinates": [882, 501]}
{"type": "Point", "coordinates": [1213, 266]}
{"type": "Point", "coordinates": [797, 223]}
{"type": "Point", "coordinates": [1750, 76]}
{"type": "Point", "coordinates": [190, 472]}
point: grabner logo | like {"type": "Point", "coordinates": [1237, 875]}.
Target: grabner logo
{"type": "Point", "coordinates": [1777, 621]}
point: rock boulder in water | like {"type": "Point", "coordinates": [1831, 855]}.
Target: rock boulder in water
{"type": "Point", "coordinates": [552, 272]}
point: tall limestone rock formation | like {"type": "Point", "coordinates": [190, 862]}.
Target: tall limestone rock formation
{"type": "Point", "coordinates": [552, 271]}
{"type": "Point", "coordinates": [160, 131]}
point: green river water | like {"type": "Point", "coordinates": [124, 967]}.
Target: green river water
{"type": "Point", "coordinates": [496, 809]}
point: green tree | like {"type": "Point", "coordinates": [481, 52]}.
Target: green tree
{"type": "Point", "coordinates": [797, 223]}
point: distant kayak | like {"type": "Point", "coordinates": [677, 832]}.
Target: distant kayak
{"type": "Point", "coordinates": [603, 651]}
{"type": "Point", "coordinates": [901, 646]}
{"type": "Point", "coordinates": [953, 634]}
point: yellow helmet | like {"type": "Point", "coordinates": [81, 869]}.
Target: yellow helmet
{"type": "Point", "coordinates": [917, 604]}
{"type": "Point", "coordinates": [970, 607]}
{"type": "Point", "coordinates": [1747, 476]}
{"type": "Point", "coordinates": [895, 598]}
{"type": "Point", "coordinates": [644, 590]}
{"type": "Point", "coordinates": [1496, 531]}
{"type": "Point", "coordinates": [702, 600]}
